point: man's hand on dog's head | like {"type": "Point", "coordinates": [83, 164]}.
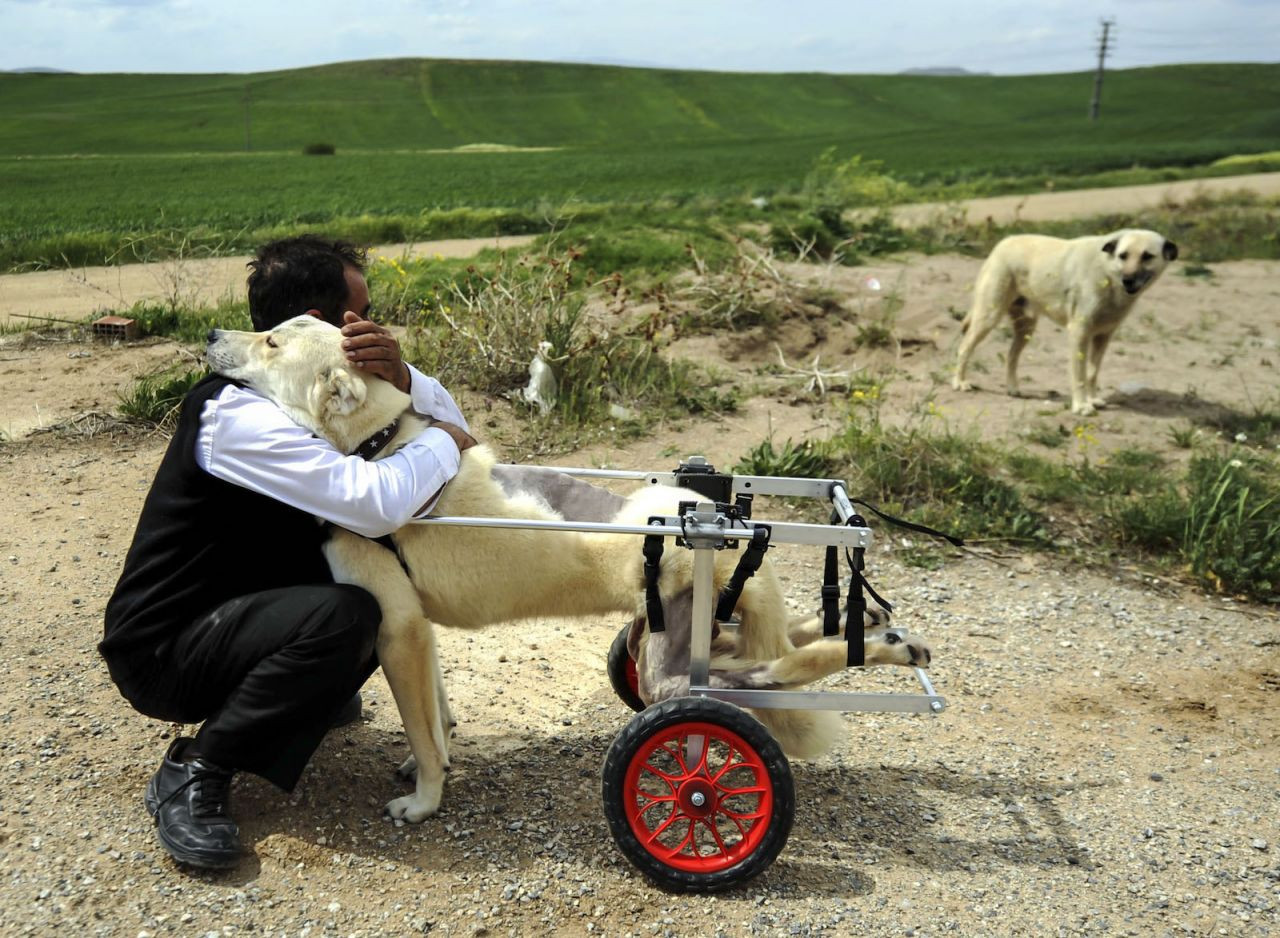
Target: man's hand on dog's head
{"type": "Point", "coordinates": [461, 437]}
{"type": "Point", "coordinates": [373, 349]}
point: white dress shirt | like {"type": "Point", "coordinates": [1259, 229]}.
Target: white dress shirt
{"type": "Point", "coordinates": [246, 439]}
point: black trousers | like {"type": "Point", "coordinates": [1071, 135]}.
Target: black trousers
{"type": "Point", "coordinates": [265, 674]}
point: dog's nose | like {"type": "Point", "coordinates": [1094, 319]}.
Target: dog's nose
{"type": "Point", "coordinates": [211, 335]}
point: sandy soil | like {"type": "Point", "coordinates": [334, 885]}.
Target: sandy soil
{"type": "Point", "coordinates": [1107, 762]}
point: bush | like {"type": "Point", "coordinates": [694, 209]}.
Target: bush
{"type": "Point", "coordinates": [153, 400]}
{"type": "Point", "coordinates": [319, 149]}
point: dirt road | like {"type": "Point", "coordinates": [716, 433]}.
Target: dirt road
{"type": "Point", "coordinates": [75, 294]}
{"type": "Point", "coordinates": [1081, 203]}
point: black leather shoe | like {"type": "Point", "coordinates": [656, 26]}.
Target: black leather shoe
{"type": "Point", "coordinates": [350, 713]}
{"type": "Point", "coordinates": [189, 802]}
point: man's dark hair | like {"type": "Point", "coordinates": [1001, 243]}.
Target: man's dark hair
{"type": "Point", "coordinates": [292, 275]}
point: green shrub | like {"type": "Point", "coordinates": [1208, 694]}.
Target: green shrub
{"type": "Point", "coordinates": [319, 149]}
{"type": "Point", "coordinates": [1223, 522]}
{"type": "Point", "coordinates": [806, 459]}
{"type": "Point", "coordinates": [153, 399]}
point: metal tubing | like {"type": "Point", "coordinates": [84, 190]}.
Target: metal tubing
{"type": "Point", "coordinates": [784, 532]}
{"type": "Point", "coordinates": [927, 686]}
{"type": "Point", "coordinates": [823, 700]}
{"type": "Point", "coordinates": [840, 499]}
{"type": "Point", "coordinates": [704, 593]}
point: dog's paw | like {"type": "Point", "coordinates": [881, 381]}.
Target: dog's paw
{"type": "Point", "coordinates": [417, 807]}
{"type": "Point", "coordinates": [895, 646]}
{"type": "Point", "coordinates": [875, 617]}
{"type": "Point", "coordinates": [1084, 409]}
{"type": "Point", "coordinates": [1098, 402]}
{"type": "Point", "coordinates": [959, 384]}
{"type": "Point", "coordinates": [408, 769]}
{"type": "Point", "coordinates": [920, 653]}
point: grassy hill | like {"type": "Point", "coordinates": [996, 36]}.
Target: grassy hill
{"type": "Point", "coordinates": [112, 155]}
{"type": "Point", "coordinates": [427, 104]}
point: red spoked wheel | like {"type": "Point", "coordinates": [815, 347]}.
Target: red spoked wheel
{"type": "Point", "coordinates": [622, 672]}
{"type": "Point", "coordinates": [698, 795]}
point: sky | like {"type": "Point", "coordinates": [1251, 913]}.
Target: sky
{"type": "Point", "coordinates": [843, 36]}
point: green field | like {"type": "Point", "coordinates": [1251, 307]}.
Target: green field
{"type": "Point", "coordinates": [89, 161]}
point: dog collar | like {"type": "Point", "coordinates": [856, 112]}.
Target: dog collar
{"type": "Point", "coordinates": [376, 443]}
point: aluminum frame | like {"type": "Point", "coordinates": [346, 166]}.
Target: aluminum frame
{"type": "Point", "coordinates": [705, 530]}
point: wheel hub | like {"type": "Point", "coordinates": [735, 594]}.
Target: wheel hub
{"type": "Point", "coordinates": [697, 798]}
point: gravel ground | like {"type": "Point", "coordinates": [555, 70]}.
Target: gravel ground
{"type": "Point", "coordinates": [1107, 764]}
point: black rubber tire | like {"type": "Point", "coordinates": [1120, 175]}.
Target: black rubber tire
{"type": "Point", "coordinates": [761, 767]}
{"type": "Point", "coordinates": [622, 671]}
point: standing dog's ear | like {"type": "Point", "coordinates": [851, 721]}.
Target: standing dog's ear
{"type": "Point", "coordinates": [1110, 247]}
{"type": "Point", "coordinates": [1170, 251]}
{"type": "Point", "coordinates": [338, 391]}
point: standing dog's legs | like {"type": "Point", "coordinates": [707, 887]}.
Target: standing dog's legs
{"type": "Point", "coordinates": [1023, 327]}
{"type": "Point", "coordinates": [407, 653]}
{"type": "Point", "coordinates": [409, 659]}
{"type": "Point", "coordinates": [1078, 346]}
{"type": "Point", "coordinates": [993, 295]}
{"type": "Point", "coordinates": [1097, 348]}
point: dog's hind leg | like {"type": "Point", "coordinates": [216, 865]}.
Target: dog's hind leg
{"type": "Point", "coordinates": [992, 296]}
{"type": "Point", "coordinates": [1023, 326]}
{"type": "Point", "coordinates": [808, 629]}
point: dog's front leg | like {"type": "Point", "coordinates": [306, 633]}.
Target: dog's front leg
{"type": "Point", "coordinates": [409, 659]}
{"type": "Point", "coordinates": [1097, 349]}
{"type": "Point", "coordinates": [407, 653]}
{"type": "Point", "coordinates": [1078, 341]}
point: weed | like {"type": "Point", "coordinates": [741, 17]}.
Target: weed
{"type": "Point", "coordinates": [1050, 437]}
{"type": "Point", "coordinates": [946, 480]}
{"type": "Point", "coordinates": [189, 325]}
{"type": "Point", "coordinates": [1197, 270]}
{"type": "Point", "coordinates": [1183, 437]}
{"type": "Point", "coordinates": [806, 459]}
{"type": "Point", "coordinates": [153, 399]}
{"type": "Point", "coordinates": [1223, 522]}
{"type": "Point", "coordinates": [483, 329]}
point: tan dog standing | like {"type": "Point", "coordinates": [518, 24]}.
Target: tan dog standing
{"type": "Point", "coordinates": [1087, 285]}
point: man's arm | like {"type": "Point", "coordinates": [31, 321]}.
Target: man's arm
{"type": "Point", "coordinates": [247, 440]}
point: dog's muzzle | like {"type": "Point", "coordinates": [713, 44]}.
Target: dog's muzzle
{"type": "Point", "coordinates": [1133, 284]}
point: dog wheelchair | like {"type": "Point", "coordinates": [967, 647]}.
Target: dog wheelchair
{"type": "Point", "coordinates": [698, 795]}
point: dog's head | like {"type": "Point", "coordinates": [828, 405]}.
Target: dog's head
{"type": "Point", "coordinates": [1138, 257]}
{"type": "Point", "coordinates": [301, 367]}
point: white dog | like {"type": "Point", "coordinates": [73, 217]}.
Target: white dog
{"type": "Point", "coordinates": [473, 576]}
{"type": "Point", "coordinates": [1087, 285]}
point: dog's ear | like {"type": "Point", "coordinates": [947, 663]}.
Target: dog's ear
{"type": "Point", "coordinates": [338, 391]}
{"type": "Point", "coordinates": [1110, 247]}
{"type": "Point", "coordinates": [1170, 251]}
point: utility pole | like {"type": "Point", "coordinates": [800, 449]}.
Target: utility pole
{"type": "Point", "coordinates": [1103, 49]}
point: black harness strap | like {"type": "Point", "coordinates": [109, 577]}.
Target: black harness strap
{"type": "Point", "coordinates": [748, 564]}
{"type": "Point", "coordinates": [855, 610]}
{"type": "Point", "coordinates": [831, 594]}
{"type": "Point", "coordinates": [652, 599]}
{"type": "Point", "coordinates": [389, 543]}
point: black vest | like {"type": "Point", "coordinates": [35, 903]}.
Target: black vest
{"type": "Point", "coordinates": [201, 541]}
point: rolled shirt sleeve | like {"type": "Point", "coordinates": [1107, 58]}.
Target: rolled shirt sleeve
{"type": "Point", "coordinates": [430, 397]}
{"type": "Point", "coordinates": [246, 439]}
